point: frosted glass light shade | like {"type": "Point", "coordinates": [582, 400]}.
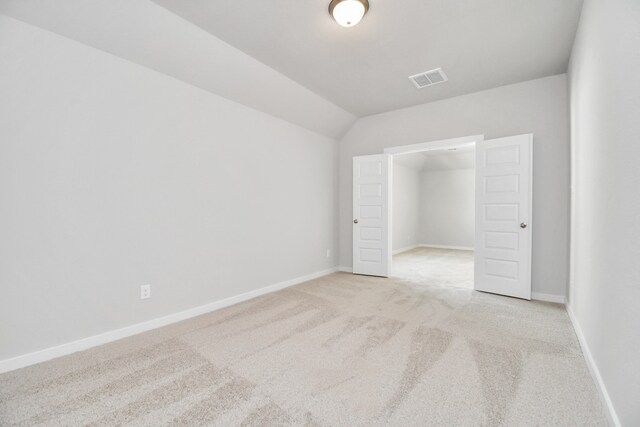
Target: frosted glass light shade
{"type": "Point", "coordinates": [348, 13]}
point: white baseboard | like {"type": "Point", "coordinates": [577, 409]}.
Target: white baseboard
{"type": "Point", "coordinates": [405, 249]}
{"type": "Point", "coordinates": [107, 337]}
{"type": "Point", "coordinates": [593, 368]}
{"type": "Point", "coordinates": [345, 269]}
{"type": "Point", "coordinates": [560, 299]}
{"type": "Point", "coordinates": [459, 248]}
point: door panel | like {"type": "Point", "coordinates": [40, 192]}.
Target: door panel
{"type": "Point", "coordinates": [503, 216]}
{"type": "Point", "coordinates": [372, 215]}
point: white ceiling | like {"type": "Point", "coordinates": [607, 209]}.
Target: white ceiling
{"type": "Point", "coordinates": [439, 160]}
{"type": "Point", "coordinates": [480, 44]}
{"type": "Point", "coordinates": [143, 32]}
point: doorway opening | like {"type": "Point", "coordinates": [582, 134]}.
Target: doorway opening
{"type": "Point", "coordinates": [503, 210]}
{"type": "Point", "coordinates": [433, 216]}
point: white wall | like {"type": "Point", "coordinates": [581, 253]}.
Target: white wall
{"type": "Point", "coordinates": [447, 208]}
{"type": "Point", "coordinates": [605, 130]}
{"type": "Point", "coordinates": [113, 176]}
{"type": "Point", "coordinates": [406, 207]}
{"type": "Point", "coordinates": [538, 107]}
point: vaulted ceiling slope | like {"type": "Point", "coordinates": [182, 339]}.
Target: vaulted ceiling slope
{"type": "Point", "coordinates": [480, 44]}
{"type": "Point", "coordinates": [145, 33]}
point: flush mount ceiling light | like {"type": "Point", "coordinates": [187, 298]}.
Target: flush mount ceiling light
{"type": "Point", "coordinates": [348, 12]}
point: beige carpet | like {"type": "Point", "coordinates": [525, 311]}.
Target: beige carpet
{"type": "Point", "coordinates": [339, 350]}
{"type": "Point", "coordinates": [432, 266]}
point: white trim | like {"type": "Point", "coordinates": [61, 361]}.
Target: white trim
{"type": "Point", "coordinates": [560, 299]}
{"type": "Point", "coordinates": [593, 368]}
{"type": "Point", "coordinates": [435, 145]}
{"type": "Point", "coordinates": [107, 337]}
{"type": "Point", "coordinates": [345, 269]}
{"type": "Point", "coordinates": [458, 248]}
{"type": "Point", "coordinates": [405, 249]}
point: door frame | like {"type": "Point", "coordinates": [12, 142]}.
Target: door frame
{"type": "Point", "coordinates": [420, 147]}
{"type": "Point", "coordinates": [434, 145]}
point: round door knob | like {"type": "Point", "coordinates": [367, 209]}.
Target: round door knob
{"type": "Point", "coordinates": [355, 221]}
{"type": "Point", "coordinates": [523, 225]}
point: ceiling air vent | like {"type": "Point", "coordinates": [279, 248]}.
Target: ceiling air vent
{"type": "Point", "coordinates": [429, 78]}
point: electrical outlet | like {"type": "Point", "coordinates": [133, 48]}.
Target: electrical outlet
{"type": "Point", "coordinates": [145, 291]}
{"type": "Point", "coordinates": [328, 253]}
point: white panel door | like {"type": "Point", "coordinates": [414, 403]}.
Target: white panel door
{"type": "Point", "coordinates": [372, 214]}
{"type": "Point", "coordinates": [503, 216]}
